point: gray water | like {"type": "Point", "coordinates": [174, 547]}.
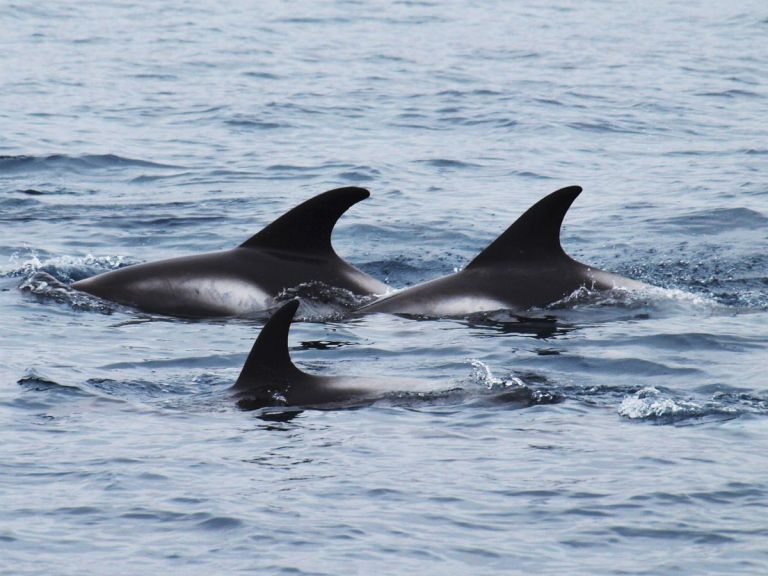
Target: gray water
{"type": "Point", "coordinates": [615, 435]}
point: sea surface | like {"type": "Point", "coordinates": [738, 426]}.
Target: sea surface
{"type": "Point", "coordinates": [604, 435]}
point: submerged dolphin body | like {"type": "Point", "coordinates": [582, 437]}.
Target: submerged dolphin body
{"type": "Point", "coordinates": [270, 378]}
{"type": "Point", "coordinates": [293, 250]}
{"type": "Point", "coordinates": [523, 268]}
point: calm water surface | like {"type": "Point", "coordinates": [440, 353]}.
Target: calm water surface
{"type": "Point", "coordinates": [607, 436]}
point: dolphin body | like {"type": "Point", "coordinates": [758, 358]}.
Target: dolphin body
{"type": "Point", "coordinates": [525, 267]}
{"type": "Point", "coordinates": [270, 378]}
{"type": "Point", "coordinates": [292, 250]}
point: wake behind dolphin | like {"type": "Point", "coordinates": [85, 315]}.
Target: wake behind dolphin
{"type": "Point", "coordinates": [526, 267]}
{"type": "Point", "coordinates": [294, 249]}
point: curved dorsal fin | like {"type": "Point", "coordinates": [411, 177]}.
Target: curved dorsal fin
{"type": "Point", "coordinates": [533, 236]}
{"type": "Point", "coordinates": [307, 228]}
{"type": "Point", "coordinates": [270, 360]}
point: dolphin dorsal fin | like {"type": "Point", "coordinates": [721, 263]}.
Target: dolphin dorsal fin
{"type": "Point", "coordinates": [535, 235]}
{"type": "Point", "coordinates": [270, 361]}
{"type": "Point", "coordinates": [307, 228]}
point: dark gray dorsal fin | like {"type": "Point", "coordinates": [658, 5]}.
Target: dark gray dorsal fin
{"type": "Point", "coordinates": [535, 236]}
{"type": "Point", "coordinates": [307, 228]}
{"type": "Point", "coordinates": [270, 361]}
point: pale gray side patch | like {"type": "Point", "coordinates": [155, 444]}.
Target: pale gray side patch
{"type": "Point", "coordinates": [230, 295]}
{"type": "Point", "coordinates": [455, 306]}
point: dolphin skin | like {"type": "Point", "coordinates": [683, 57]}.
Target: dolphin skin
{"type": "Point", "coordinates": [270, 378]}
{"type": "Point", "coordinates": [293, 250]}
{"type": "Point", "coordinates": [523, 268]}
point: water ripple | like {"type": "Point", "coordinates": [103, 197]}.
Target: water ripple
{"type": "Point", "coordinates": [78, 164]}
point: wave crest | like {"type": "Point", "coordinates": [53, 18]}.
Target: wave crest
{"type": "Point", "coordinates": [654, 405]}
{"type": "Point", "coordinates": [66, 163]}
{"type": "Point", "coordinates": [319, 301]}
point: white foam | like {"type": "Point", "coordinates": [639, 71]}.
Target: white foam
{"type": "Point", "coordinates": [22, 265]}
{"type": "Point", "coordinates": [632, 297]}
{"type": "Point", "coordinates": [651, 403]}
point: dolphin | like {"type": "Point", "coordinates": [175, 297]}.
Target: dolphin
{"type": "Point", "coordinates": [270, 378]}
{"type": "Point", "coordinates": [525, 267]}
{"type": "Point", "coordinates": [292, 250]}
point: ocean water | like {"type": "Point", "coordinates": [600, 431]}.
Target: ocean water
{"type": "Point", "coordinates": [612, 435]}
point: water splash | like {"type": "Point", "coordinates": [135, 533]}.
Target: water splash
{"type": "Point", "coordinates": [512, 391]}
{"type": "Point", "coordinates": [482, 374]}
{"type": "Point", "coordinates": [647, 299]}
{"type": "Point", "coordinates": [48, 288]}
{"type": "Point", "coordinates": [63, 268]}
{"type": "Point", "coordinates": [319, 301]}
{"type": "Point", "coordinates": [654, 405]}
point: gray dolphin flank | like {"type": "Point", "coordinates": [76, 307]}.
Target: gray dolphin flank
{"type": "Point", "coordinates": [270, 378]}
{"type": "Point", "coordinates": [293, 250]}
{"type": "Point", "coordinates": [525, 267]}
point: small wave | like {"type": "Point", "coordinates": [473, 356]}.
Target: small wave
{"type": "Point", "coordinates": [651, 404]}
{"type": "Point", "coordinates": [475, 92]}
{"type": "Point", "coordinates": [35, 383]}
{"type": "Point", "coordinates": [723, 280]}
{"type": "Point", "coordinates": [531, 175]}
{"type": "Point", "coordinates": [549, 102]}
{"type": "Point", "coordinates": [66, 269]}
{"type": "Point", "coordinates": [218, 523]}
{"type": "Point", "coordinates": [141, 390]}
{"type": "Point", "coordinates": [253, 123]}
{"type": "Point", "coordinates": [189, 362]}
{"type": "Point", "coordinates": [695, 341]}
{"type": "Point", "coordinates": [63, 162]}
{"type": "Point", "coordinates": [718, 220]}
{"type": "Point", "coordinates": [197, 520]}
{"type": "Point", "coordinates": [447, 163]}
{"type": "Point", "coordinates": [49, 280]}
{"type": "Point", "coordinates": [399, 272]}
{"type": "Point", "coordinates": [359, 174]}
{"type": "Point", "coordinates": [6, 204]}
{"type": "Point", "coordinates": [155, 76]}
{"type": "Point", "coordinates": [47, 288]}
{"type": "Point", "coordinates": [603, 127]}
{"type": "Point", "coordinates": [146, 178]}
{"type": "Point", "coordinates": [733, 93]}
{"type": "Point", "coordinates": [261, 75]}
{"type": "Point", "coordinates": [742, 402]}
{"type": "Point", "coordinates": [510, 391]}
{"type": "Point", "coordinates": [322, 302]}
{"type": "Point", "coordinates": [54, 190]}
{"type": "Point", "coordinates": [643, 300]}
{"type": "Point", "coordinates": [313, 20]}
